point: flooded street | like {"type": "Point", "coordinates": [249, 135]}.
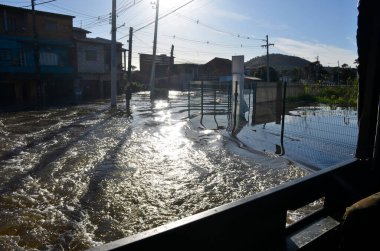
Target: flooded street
{"type": "Point", "coordinates": [77, 177]}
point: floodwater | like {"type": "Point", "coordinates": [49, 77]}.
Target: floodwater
{"type": "Point", "coordinates": [78, 177]}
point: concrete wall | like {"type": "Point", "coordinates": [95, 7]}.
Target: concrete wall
{"type": "Point", "coordinates": [267, 92]}
{"type": "Point", "coordinates": [269, 98]}
{"type": "Point", "coordinates": [92, 66]}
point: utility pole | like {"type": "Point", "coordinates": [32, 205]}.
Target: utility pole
{"type": "Point", "coordinates": [130, 54]}
{"type": "Point", "coordinates": [36, 54]}
{"type": "Point", "coordinates": [338, 72]}
{"type": "Point", "coordinates": [267, 46]}
{"type": "Point", "coordinates": [153, 72]}
{"type": "Point", "coordinates": [316, 69]}
{"type": "Point", "coordinates": [172, 55]}
{"type": "Point", "coordinates": [170, 65]}
{"type": "Point", "coordinates": [113, 56]}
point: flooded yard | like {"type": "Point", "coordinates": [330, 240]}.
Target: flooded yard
{"type": "Point", "coordinates": [77, 177]}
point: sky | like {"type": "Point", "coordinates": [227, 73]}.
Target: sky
{"type": "Point", "coordinates": [204, 29]}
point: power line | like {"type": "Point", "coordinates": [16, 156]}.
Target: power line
{"type": "Point", "coordinates": [122, 10]}
{"type": "Point", "coordinates": [165, 15]}
{"type": "Point", "coordinates": [198, 22]}
{"type": "Point", "coordinates": [208, 42]}
{"type": "Point", "coordinates": [38, 3]}
{"type": "Point", "coordinates": [73, 11]}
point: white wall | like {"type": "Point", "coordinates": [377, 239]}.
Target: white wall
{"type": "Point", "coordinates": [85, 66]}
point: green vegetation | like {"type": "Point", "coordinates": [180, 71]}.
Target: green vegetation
{"type": "Point", "coordinates": [262, 73]}
{"type": "Point", "coordinates": [337, 95]}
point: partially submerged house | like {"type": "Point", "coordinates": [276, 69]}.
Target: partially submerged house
{"type": "Point", "coordinates": [37, 62]}
{"type": "Point", "coordinates": [51, 61]}
{"type": "Point", "coordinates": [93, 65]}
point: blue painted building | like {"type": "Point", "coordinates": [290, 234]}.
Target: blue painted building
{"type": "Point", "coordinates": [35, 67]}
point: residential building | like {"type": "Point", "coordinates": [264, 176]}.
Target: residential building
{"type": "Point", "coordinates": [36, 62]}
{"type": "Point", "coordinates": [182, 74]}
{"type": "Point", "coordinates": [163, 63]}
{"type": "Point", "coordinates": [177, 76]}
{"type": "Point", "coordinates": [93, 57]}
{"type": "Point", "coordinates": [215, 68]}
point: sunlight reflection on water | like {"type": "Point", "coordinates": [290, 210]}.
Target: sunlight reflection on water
{"type": "Point", "coordinates": [82, 182]}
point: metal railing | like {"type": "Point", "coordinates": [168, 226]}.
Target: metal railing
{"type": "Point", "coordinates": [258, 222]}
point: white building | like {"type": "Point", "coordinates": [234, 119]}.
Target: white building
{"type": "Point", "coordinates": [94, 64]}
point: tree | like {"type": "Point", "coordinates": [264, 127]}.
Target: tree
{"type": "Point", "coordinates": [348, 74]}
{"type": "Point", "coordinates": [315, 72]}
{"type": "Point", "coordinates": [261, 72]}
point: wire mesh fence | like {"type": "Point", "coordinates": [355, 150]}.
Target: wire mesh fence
{"type": "Point", "coordinates": [210, 102]}
{"type": "Point", "coordinates": [318, 124]}
{"type": "Point", "coordinates": [313, 125]}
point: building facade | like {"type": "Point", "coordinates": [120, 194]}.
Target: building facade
{"type": "Point", "coordinates": [93, 65]}
{"type": "Point", "coordinates": [36, 61]}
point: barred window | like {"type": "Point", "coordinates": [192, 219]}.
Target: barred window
{"type": "Point", "coordinates": [5, 55]}
{"type": "Point", "coordinates": [91, 55]}
{"type": "Point", "coordinates": [48, 58]}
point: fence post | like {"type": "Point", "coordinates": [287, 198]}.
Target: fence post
{"type": "Point", "coordinates": [279, 101]}
{"type": "Point", "coordinates": [202, 97]}
{"type": "Point", "coordinates": [201, 121]}
{"type": "Point", "coordinates": [188, 99]}
{"type": "Point", "coordinates": [235, 106]}
{"type": "Point", "coordinates": [216, 122]}
{"type": "Point", "coordinates": [254, 92]}
{"type": "Point", "coordinates": [283, 117]}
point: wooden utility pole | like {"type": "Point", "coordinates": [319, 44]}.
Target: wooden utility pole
{"type": "Point", "coordinates": [338, 73]}
{"type": "Point", "coordinates": [170, 65]}
{"type": "Point", "coordinates": [130, 54]}
{"type": "Point", "coordinates": [172, 55]}
{"type": "Point", "coordinates": [316, 69]}
{"type": "Point", "coordinates": [153, 72]}
{"type": "Point", "coordinates": [267, 46]}
{"type": "Point", "coordinates": [113, 57]}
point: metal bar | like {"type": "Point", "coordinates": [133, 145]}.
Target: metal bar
{"type": "Point", "coordinates": [235, 108]}
{"type": "Point", "coordinates": [249, 101]}
{"type": "Point", "coordinates": [188, 100]}
{"type": "Point", "coordinates": [216, 122]}
{"type": "Point", "coordinates": [257, 222]}
{"type": "Point", "coordinates": [283, 119]}
{"type": "Point", "coordinates": [254, 92]}
{"type": "Point", "coordinates": [201, 121]}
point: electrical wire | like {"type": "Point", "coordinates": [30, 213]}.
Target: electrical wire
{"type": "Point", "coordinates": [198, 22]}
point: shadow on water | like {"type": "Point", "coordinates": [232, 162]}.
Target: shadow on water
{"type": "Point", "coordinates": [53, 154]}
{"type": "Point", "coordinates": [118, 175]}
{"type": "Point", "coordinates": [50, 136]}
{"type": "Point", "coordinates": [90, 201]}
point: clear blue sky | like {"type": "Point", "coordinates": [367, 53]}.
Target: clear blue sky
{"type": "Point", "coordinates": [205, 29]}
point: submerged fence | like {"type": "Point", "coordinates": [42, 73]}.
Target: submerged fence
{"type": "Point", "coordinates": [211, 101]}
{"type": "Point", "coordinates": [313, 125]}
{"type": "Point", "coordinates": [318, 125]}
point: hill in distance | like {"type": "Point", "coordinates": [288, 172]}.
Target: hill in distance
{"type": "Point", "coordinates": [279, 62]}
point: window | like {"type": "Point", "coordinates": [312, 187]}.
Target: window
{"type": "Point", "coordinates": [23, 57]}
{"type": "Point", "coordinates": [10, 24]}
{"type": "Point", "coordinates": [51, 25]}
{"type": "Point", "coordinates": [48, 58]}
{"type": "Point", "coordinates": [91, 55]}
{"type": "Point", "coordinates": [5, 55]}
